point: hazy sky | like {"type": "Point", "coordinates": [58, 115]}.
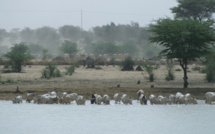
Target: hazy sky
{"type": "Point", "coordinates": [56, 13]}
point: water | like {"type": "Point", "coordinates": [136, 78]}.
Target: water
{"type": "Point", "coordinates": [101, 119]}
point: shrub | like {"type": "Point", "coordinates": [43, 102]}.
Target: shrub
{"type": "Point", "coordinates": [46, 73]}
{"type": "Point", "coordinates": [139, 68]}
{"type": "Point", "coordinates": [57, 73]}
{"type": "Point", "coordinates": [50, 71]}
{"type": "Point", "coordinates": [178, 69]}
{"type": "Point", "coordinates": [127, 64]}
{"type": "Point", "coordinates": [70, 70]}
{"type": "Point", "coordinates": [170, 75]}
{"type": "Point", "coordinates": [210, 72]}
{"type": "Point", "coordinates": [203, 70]}
{"type": "Point", "coordinates": [150, 71]}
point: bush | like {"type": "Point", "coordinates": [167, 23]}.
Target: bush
{"type": "Point", "coordinates": [51, 71]}
{"type": "Point", "coordinates": [210, 65]}
{"type": "Point", "coordinates": [150, 71]}
{"type": "Point", "coordinates": [70, 70]}
{"type": "Point", "coordinates": [203, 70]}
{"type": "Point", "coordinates": [57, 73]}
{"type": "Point", "coordinates": [46, 74]}
{"type": "Point", "coordinates": [170, 75]}
{"type": "Point", "coordinates": [210, 72]}
{"type": "Point", "coordinates": [139, 68]}
{"type": "Point", "coordinates": [178, 69]}
{"type": "Point", "coordinates": [127, 64]}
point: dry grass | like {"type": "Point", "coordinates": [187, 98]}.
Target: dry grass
{"type": "Point", "coordinates": [107, 80]}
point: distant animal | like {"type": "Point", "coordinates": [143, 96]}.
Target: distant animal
{"type": "Point", "coordinates": [162, 100]}
{"type": "Point", "coordinates": [139, 92]}
{"type": "Point", "coordinates": [209, 97]}
{"type": "Point", "coordinates": [125, 99]}
{"type": "Point", "coordinates": [99, 99]}
{"type": "Point", "coordinates": [143, 99]}
{"type": "Point", "coordinates": [30, 97]}
{"type": "Point", "coordinates": [47, 99]}
{"type": "Point", "coordinates": [93, 98]}
{"type": "Point", "coordinates": [80, 100]}
{"type": "Point", "coordinates": [153, 99]}
{"type": "Point", "coordinates": [17, 99]}
{"type": "Point", "coordinates": [179, 98]}
{"type": "Point", "coordinates": [189, 99]}
{"type": "Point", "coordinates": [117, 97]}
{"type": "Point", "coordinates": [106, 99]}
{"type": "Point", "coordinates": [172, 99]}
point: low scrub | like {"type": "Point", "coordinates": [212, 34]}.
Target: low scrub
{"type": "Point", "coordinates": [50, 71]}
{"type": "Point", "coordinates": [127, 64]}
{"type": "Point", "coordinates": [70, 70]}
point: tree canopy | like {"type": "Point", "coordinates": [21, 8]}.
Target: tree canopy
{"type": "Point", "coordinates": [183, 39]}
{"type": "Point", "coordinates": [69, 47]}
{"type": "Point", "coordinates": [18, 54]}
{"type": "Point", "coordinates": [194, 9]}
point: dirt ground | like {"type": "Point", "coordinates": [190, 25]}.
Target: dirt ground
{"type": "Point", "coordinates": [108, 80]}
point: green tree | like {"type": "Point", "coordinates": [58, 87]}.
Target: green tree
{"type": "Point", "coordinates": [183, 39]}
{"type": "Point", "coordinates": [35, 49]}
{"type": "Point", "coordinates": [69, 47]}
{"type": "Point", "coordinates": [70, 32]}
{"type": "Point", "coordinates": [194, 9]}
{"type": "Point", "coordinates": [103, 48]}
{"type": "Point", "coordinates": [18, 55]}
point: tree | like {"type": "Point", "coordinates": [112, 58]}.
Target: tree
{"type": "Point", "coordinates": [104, 48]}
{"type": "Point", "coordinates": [69, 47]}
{"type": "Point", "coordinates": [70, 32]}
{"type": "Point", "coordinates": [18, 55]}
{"type": "Point", "coordinates": [35, 49]}
{"type": "Point", "coordinates": [183, 39]}
{"type": "Point", "coordinates": [194, 9]}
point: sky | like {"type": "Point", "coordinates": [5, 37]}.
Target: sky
{"type": "Point", "coordinates": [83, 13]}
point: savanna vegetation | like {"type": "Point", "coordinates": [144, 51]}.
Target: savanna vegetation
{"type": "Point", "coordinates": [187, 39]}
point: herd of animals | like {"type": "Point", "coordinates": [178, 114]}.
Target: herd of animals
{"type": "Point", "coordinates": [119, 98]}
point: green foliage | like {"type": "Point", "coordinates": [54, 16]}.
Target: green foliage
{"type": "Point", "coordinates": [127, 64]}
{"type": "Point", "coordinates": [45, 52]}
{"type": "Point", "coordinates": [48, 38]}
{"type": "Point", "coordinates": [17, 56]}
{"type": "Point", "coordinates": [69, 47]}
{"type": "Point", "coordinates": [194, 9]}
{"type": "Point", "coordinates": [170, 75]}
{"type": "Point", "coordinates": [103, 48]}
{"type": "Point", "coordinates": [50, 71]}
{"type": "Point", "coordinates": [57, 73]}
{"type": "Point", "coordinates": [203, 70]}
{"type": "Point", "coordinates": [183, 39]}
{"type": "Point", "coordinates": [70, 70]}
{"type": "Point", "coordinates": [210, 67]}
{"type": "Point", "coordinates": [71, 32]}
{"type": "Point", "coordinates": [178, 69]}
{"type": "Point", "coordinates": [35, 49]}
{"type": "Point", "coordinates": [150, 70]}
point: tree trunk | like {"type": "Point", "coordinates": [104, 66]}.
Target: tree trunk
{"type": "Point", "coordinates": [185, 78]}
{"type": "Point", "coordinates": [184, 67]}
{"type": "Point", "coordinates": [18, 67]}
